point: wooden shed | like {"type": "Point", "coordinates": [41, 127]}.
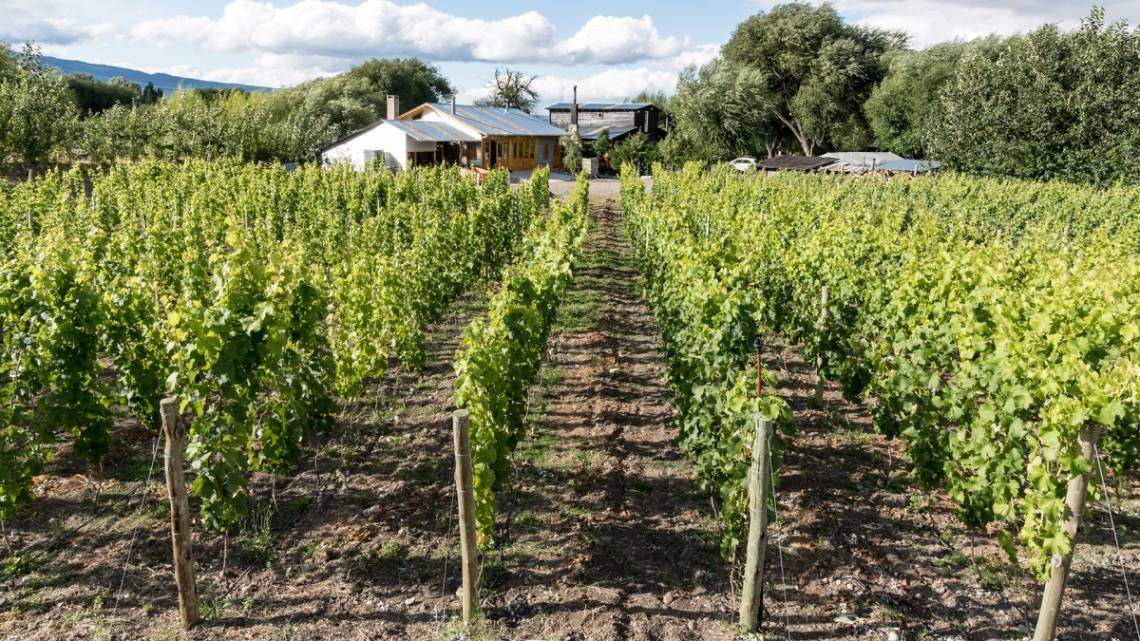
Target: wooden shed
{"type": "Point", "coordinates": [622, 119]}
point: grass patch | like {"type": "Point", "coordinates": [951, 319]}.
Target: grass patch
{"type": "Point", "coordinates": [255, 536]}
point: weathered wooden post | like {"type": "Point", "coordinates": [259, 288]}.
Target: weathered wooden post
{"type": "Point", "coordinates": [465, 493]}
{"type": "Point", "coordinates": [1074, 509]}
{"type": "Point", "coordinates": [175, 433]}
{"type": "Point", "coordinates": [819, 327]}
{"type": "Point", "coordinates": [759, 486]}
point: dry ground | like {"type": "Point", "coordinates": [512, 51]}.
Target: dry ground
{"type": "Point", "coordinates": [607, 537]}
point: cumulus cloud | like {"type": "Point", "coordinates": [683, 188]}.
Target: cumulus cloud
{"type": "Point", "coordinates": [611, 85]}
{"type": "Point", "coordinates": [932, 21]}
{"type": "Point", "coordinates": [53, 31]}
{"type": "Point", "coordinates": [384, 28]}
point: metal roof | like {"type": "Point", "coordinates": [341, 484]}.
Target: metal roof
{"type": "Point", "coordinates": [859, 161]}
{"type": "Point", "coordinates": [910, 166]}
{"type": "Point", "coordinates": [602, 106]}
{"type": "Point", "coordinates": [497, 121]}
{"type": "Point", "coordinates": [800, 163]}
{"type": "Point", "coordinates": [615, 133]}
{"type": "Point", "coordinates": [431, 131]}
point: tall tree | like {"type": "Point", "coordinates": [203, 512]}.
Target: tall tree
{"type": "Point", "coordinates": [908, 102]}
{"type": "Point", "coordinates": [37, 115]}
{"type": "Point", "coordinates": [511, 89]}
{"type": "Point", "coordinates": [814, 70]}
{"type": "Point", "coordinates": [723, 110]}
{"type": "Point", "coordinates": [1049, 104]}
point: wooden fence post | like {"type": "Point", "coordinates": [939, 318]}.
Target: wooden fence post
{"type": "Point", "coordinates": [823, 296]}
{"type": "Point", "coordinates": [175, 433]}
{"type": "Point", "coordinates": [1074, 509]}
{"type": "Point", "coordinates": [465, 493]}
{"type": "Point", "coordinates": [759, 486]}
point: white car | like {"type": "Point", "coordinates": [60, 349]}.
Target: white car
{"type": "Point", "coordinates": [743, 165]}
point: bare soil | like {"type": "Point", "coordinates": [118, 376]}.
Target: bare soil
{"type": "Point", "coordinates": [603, 534]}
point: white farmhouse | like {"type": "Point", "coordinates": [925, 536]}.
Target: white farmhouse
{"type": "Point", "coordinates": [437, 133]}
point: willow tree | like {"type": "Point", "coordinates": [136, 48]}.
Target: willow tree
{"type": "Point", "coordinates": [815, 70]}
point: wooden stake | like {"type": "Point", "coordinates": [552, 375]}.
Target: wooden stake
{"type": "Point", "coordinates": [823, 295]}
{"type": "Point", "coordinates": [1074, 509]}
{"type": "Point", "coordinates": [465, 493]}
{"type": "Point", "coordinates": [758, 488]}
{"type": "Point", "coordinates": [175, 434]}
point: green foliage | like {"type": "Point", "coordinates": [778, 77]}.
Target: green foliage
{"type": "Point", "coordinates": [1048, 104]}
{"type": "Point", "coordinates": [93, 96]}
{"type": "Point", "coordinates": [637, 151]}
{"type": "Point", "coordinates": [37, 114]}
{"type": "Point", "coordinates": [708, 319]}
{"type": "Point", "coordinates": [990, 321]}
{"type": "Point", "coordinates": [907, 104]}
{"type": "Point", "coordinates": [602, 145]}
{"type": "Point", "coordinates": [502, 352]}
{"type": "Point", "coordinates": [811, 70]}
{"type": "Point", "coordinates": [253, 295]}
{"type": "Point", "coordinates": [571, 154]}
{"type": "Point", "coordinates": [721, 112]}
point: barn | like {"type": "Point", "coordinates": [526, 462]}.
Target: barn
{"type": "Point", "coordinates": [621, 119]}
{"type": "Point", "coordinates": [452, 134]}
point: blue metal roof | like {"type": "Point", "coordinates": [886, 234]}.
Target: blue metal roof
{"type": "Point", "coordinates": [496, 121]}
{"type": "Point", "coordinates": [431, 131]}
{"type": "Point", "coordinates": [601, 106]}
{"type": "Point", "coordinates": [618, 132]}
{"type": "Point", "coordinates": [911, 166]}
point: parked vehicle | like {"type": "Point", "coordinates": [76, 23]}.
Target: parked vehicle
{"type": "Point", "coordinates": [744, 165]}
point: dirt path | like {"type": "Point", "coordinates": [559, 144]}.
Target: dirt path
{"type": "Point", "coordinates": [610, 539]}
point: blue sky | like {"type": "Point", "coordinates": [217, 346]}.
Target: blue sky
{"type": "Point", "coordinates": [612, 50]}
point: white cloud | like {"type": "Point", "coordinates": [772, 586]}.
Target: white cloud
{"type": "Point", "coordinates": [18, 27]}
{"type": "Point", "coordinates": [384, 28]}
{"type": "Point", "coordinates": [611, 85]}
{"type": "Point", "coordinates": [932, 21]}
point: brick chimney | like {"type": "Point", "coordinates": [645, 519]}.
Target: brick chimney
{"type": "Point", "coordinates": [393, 107]}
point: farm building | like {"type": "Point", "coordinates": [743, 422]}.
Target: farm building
{"type": "Point", "coordinates": [857, 162]}
{"type": "Point", "coordinates": [438, 133]}
{"type": "Point", "coordinates": [794, 163]}
{"type": "Point", "coordinates": [622, 120]}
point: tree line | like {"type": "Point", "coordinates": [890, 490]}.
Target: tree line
{"type": "Point", "coordinates": [1046, 104]}
{"type": "Point", "coordinates": [49, 117]}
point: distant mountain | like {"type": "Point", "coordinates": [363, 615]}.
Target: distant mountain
{"type": "Point", "coordinates": [164, 81]}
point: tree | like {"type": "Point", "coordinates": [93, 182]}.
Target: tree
{"type": "Point", "coordinates": [635, 150]}
{"type": "Point", "coordinates": [721, 111]}
{"type": "Point", "coordinates": [357, 97]}
{"type": "Point", "coordinates": [908, 102]}
{"type": "Point", "coordinates": [150, 95]}
{"type": "Point", "coordinates": [813, 70]}
{"type": "Point", "coordinates": [37, 115]}
{"type": "Point", "coordinates": [601, 145]}
{"type": "Point", "coordinates": [511, 89]}
{"type": "Point", "coordinates": [8, 63]}
{"type": "Point", "coordinates": [92, 96]}
{"type": "Point", "coordinates": [571, 154]}
{"type": "Point", "coordinates": [1048, 104]}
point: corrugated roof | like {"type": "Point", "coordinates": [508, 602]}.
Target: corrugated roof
{"type": "Point", "coordinates": [858, 161]}
{"type": "Point", "coordinates": [910, 166]}
{"type": "Point", "coordinates": [800, 163]}
{"type": "Point", "coordinates": [496, 121]}
{"type": "Point", "coordinates": [602, 106]}
{"type": "Point", "coordinates": [615, 133]}
{"type": "Point", "coordinates": [431, 131]}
